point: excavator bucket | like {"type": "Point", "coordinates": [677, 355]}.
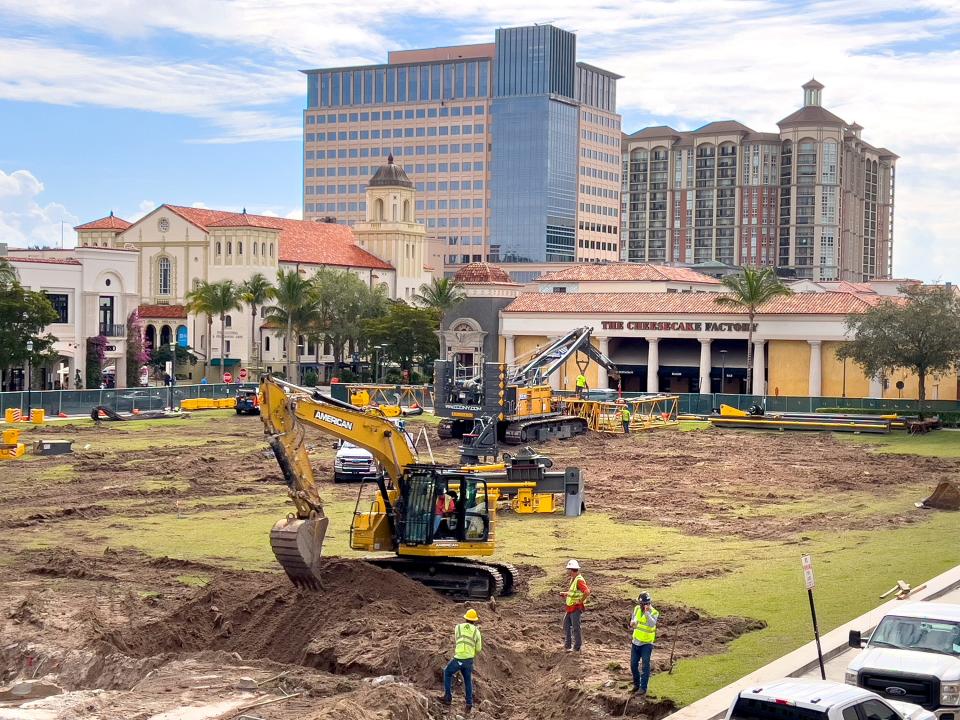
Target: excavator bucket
{"type": "Point", "coordinates": [945, 497]}
{"type": "Point", "coordinates": [296, 545]}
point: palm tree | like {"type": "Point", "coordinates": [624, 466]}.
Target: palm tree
{"type": "Point", "coordinates": [255, 292]}
{"type": "Point", "coordinates": [215, 299]}
{"type": "Point", "coordinates": [441, 294]}
{"type": "Point", "coordinates": [200, 301]}
{"type": "Point", "coordinates": [8, 275]}
{"type": "Point", "coordinates": [749, 291]}
{"type": "Point", "coordinates": [293, 307]}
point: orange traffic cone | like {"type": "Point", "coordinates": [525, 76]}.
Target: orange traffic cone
{"type": "Point", "coordinates": [62, 415]}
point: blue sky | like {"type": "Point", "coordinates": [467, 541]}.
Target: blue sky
{"type": "Point", "coordinates": [121, 105]}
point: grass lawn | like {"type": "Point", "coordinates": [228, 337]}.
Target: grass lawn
{"type": "Point", "coordinates": [940, 443]}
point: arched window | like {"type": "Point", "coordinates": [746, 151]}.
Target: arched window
{"type": "Point", "coordinates": [406, 211]}
{"type": "Point", "coordinates": [263, 311]}
{"type": "Point", "coordinates": [229, 248]}
{"type": "Point", "coordinates": [227, 321]}
{"type": "Point", "coordinates": [163, 276]}
{"type": "Point", "coordinates": [378, 209]}
{"type": "Point", "coordinates": [393, 212]}
{"type": "Point", "coordinates": [266, 343]}
{"type": "Point", "coordinates": [271, 249]}
{"type": "Point", "coordinates": [254, 249]}
{"type": "Point", "coordinates": [239, 247]}
{"type": "Point", "coordinates": [219, 249]}
{"type": "Point", "coordinates": [263, 249]}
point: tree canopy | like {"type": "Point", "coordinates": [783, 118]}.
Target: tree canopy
{"type": "Point", "coordinates": [919, 332]}
{"type": "Point", "coordinates": [407, 334]}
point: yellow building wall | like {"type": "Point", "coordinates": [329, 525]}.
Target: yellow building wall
{"type": "Point", "coordinates": [788, 367]}
{"type": "Point", "coordinates": [943, 387]}
{"type": "Point", "coordinates": [831, 368]}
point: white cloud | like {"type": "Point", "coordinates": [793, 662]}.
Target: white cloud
{"type": "Point", "coordinates": [24, 221]}
{"type": "Point", "coordinates": [890, 66]}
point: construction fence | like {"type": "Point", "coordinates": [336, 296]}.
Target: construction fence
{"type": "Point", "coordinates": [122, 400]}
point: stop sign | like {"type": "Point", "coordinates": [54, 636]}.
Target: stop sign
{"type": "Point", "coordinates": [228, 377]}
{"type": "Point", "coordinates": [242, 374]}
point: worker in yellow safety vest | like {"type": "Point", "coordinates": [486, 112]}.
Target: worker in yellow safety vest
{"type": "Point", "coordinates": [468, 645]}
{"type": "Point", "coordinates": [581, 385]}
{"type": "Point", "coordinates": [644, 624]}
{"type": "Point", "coordinates": [625, 416]}
{"type": "Point", "coordinates": [575, 599]}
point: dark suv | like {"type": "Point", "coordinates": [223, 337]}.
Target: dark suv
{"type": "Point", "coordinates": [248, 402]}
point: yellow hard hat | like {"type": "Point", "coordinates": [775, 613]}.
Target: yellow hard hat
{"type": "Point", "coordinates": [471, 615]}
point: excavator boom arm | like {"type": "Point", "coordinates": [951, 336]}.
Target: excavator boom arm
{"type": "Point", "coordinates": [551, 358]}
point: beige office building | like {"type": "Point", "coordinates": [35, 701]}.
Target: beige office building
{"type": "Point", "coordinates": [814, 199]}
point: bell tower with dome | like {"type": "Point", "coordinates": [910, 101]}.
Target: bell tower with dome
{"type": "Point", "coordinates": [391, 231]}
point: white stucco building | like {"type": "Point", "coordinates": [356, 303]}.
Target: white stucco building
{"type": "Point", "coordinates": [94, 289]}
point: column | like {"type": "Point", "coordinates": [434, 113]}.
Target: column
{"type": "Point", "coordinates": [509, 349]}
{"type": "Point", "coordinates": [653, 365]}
{"type": "Point", "coordinates": [876, 387]}
{"type": "Point", "coordinates": [705, 365]}
{"type": "Point", "coordinates": [759, 368]}
{"type": "Point", "coordinates": [814, 386]}
{"type": "Point", "coordinates": [603, 380]}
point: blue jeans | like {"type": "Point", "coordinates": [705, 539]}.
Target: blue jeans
{"type": "Point", "coordinates": [465, 668]}
{"type": "Point", "coordinates": [638, 654]}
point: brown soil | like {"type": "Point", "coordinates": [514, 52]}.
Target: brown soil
{"type": "Point", "coordinates": [87, 621]}
{"type": "Point", "coordinates": [80, 620]}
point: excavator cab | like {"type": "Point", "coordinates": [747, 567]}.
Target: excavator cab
{"type": "Point", "coordinates": [429, 511]}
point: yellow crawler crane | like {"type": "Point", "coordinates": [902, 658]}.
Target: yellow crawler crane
{"type": "Point", "coordinates": [402, 519]}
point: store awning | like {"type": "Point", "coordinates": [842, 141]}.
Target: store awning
{"type": "Point", "coordinates": [227, 362]}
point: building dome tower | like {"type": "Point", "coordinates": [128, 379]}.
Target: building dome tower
{"type": "Point", "coordinates": [391, 231]}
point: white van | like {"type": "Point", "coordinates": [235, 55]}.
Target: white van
{"type": "Point", "coordinates": [793, 699]}
{"type": "Point", "coordinates": [913, 655]}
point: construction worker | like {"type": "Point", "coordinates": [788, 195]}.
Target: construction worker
{"type": "Point", "coordinates": [468, 644]}
{"type": "Point", "coordinates": [625, 416]}
{"type": "Point", "coordinates": [444, 511]}
{"type": "Point", "coordinates": [575, 598]}
{"type": "Point", "coordinates": [581, 385]}
{"type": "Point", "coordinates": [644, 624]}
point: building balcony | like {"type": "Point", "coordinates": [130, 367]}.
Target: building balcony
{"type": "Point", "coordinates": [109, 330]}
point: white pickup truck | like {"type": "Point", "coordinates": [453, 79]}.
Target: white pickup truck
{"type": "Point", "coordinates": [793, 699]}
{"type": "Point", "coordinates": [913, 655]}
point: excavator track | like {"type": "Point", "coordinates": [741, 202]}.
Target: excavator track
{"type": "Point", "coordinates": [509, 574]}
{"type": "Point", "coordinates": [475, 580]}
{"type": "Point", "coordinates": [551, 427]}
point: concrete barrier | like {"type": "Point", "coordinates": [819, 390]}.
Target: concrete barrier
{"type": "Point", "coordinates": [804, 658]}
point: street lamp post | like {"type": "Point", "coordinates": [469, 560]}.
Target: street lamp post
{"type": "Point", "coordinates": [173, 373]}
{"type": "Point", "coordinates": [29, 376]}
{"type": "Point", "coordinates": [723, 370]}
{"type": "Point", "coordinates": [376, 363]}
{"type": "Point", "coordinates": [843, 391]}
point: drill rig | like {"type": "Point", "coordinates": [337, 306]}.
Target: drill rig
{"type": "Point", "coordinates": [518, 398]}
{"type": "Point", "coordinates": [402, 518]}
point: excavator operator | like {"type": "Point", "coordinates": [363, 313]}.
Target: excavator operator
{"type": "Point", "coordinates": [444, 512]}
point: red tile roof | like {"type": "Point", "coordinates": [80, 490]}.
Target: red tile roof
{"type": "Point", "coordinates": [627, 272]}
{"type": "Point", "coordinates": [163, 312]}
{"type": "Point", "coordinates": [110, 222]}
{"type": "Point", "coordinates": [48, 261]}
{"type": "Point", "coordinates": [301, 241]}
{"type": "Point", "coordinates": [828, 303]}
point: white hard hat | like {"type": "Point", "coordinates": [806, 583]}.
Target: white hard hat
{"type": "Point", "coordinates": [573, 565]}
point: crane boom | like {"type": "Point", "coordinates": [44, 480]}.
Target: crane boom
{"type": "Point", "coordinates": [550, 359]}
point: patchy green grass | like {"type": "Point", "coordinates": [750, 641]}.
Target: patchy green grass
{"type": "Point", "coordinates": [193, 580]}
{"type": "Point", "coordinates": [940, 443]}
{"type": "Point", "coordinates": [694, 425]}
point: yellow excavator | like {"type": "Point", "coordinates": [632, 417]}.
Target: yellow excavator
{"type": "Point", "coordinates": [433, 548]}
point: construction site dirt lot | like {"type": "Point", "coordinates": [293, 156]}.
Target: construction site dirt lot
{"type": "Point", "coordinates": [137, 579]}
